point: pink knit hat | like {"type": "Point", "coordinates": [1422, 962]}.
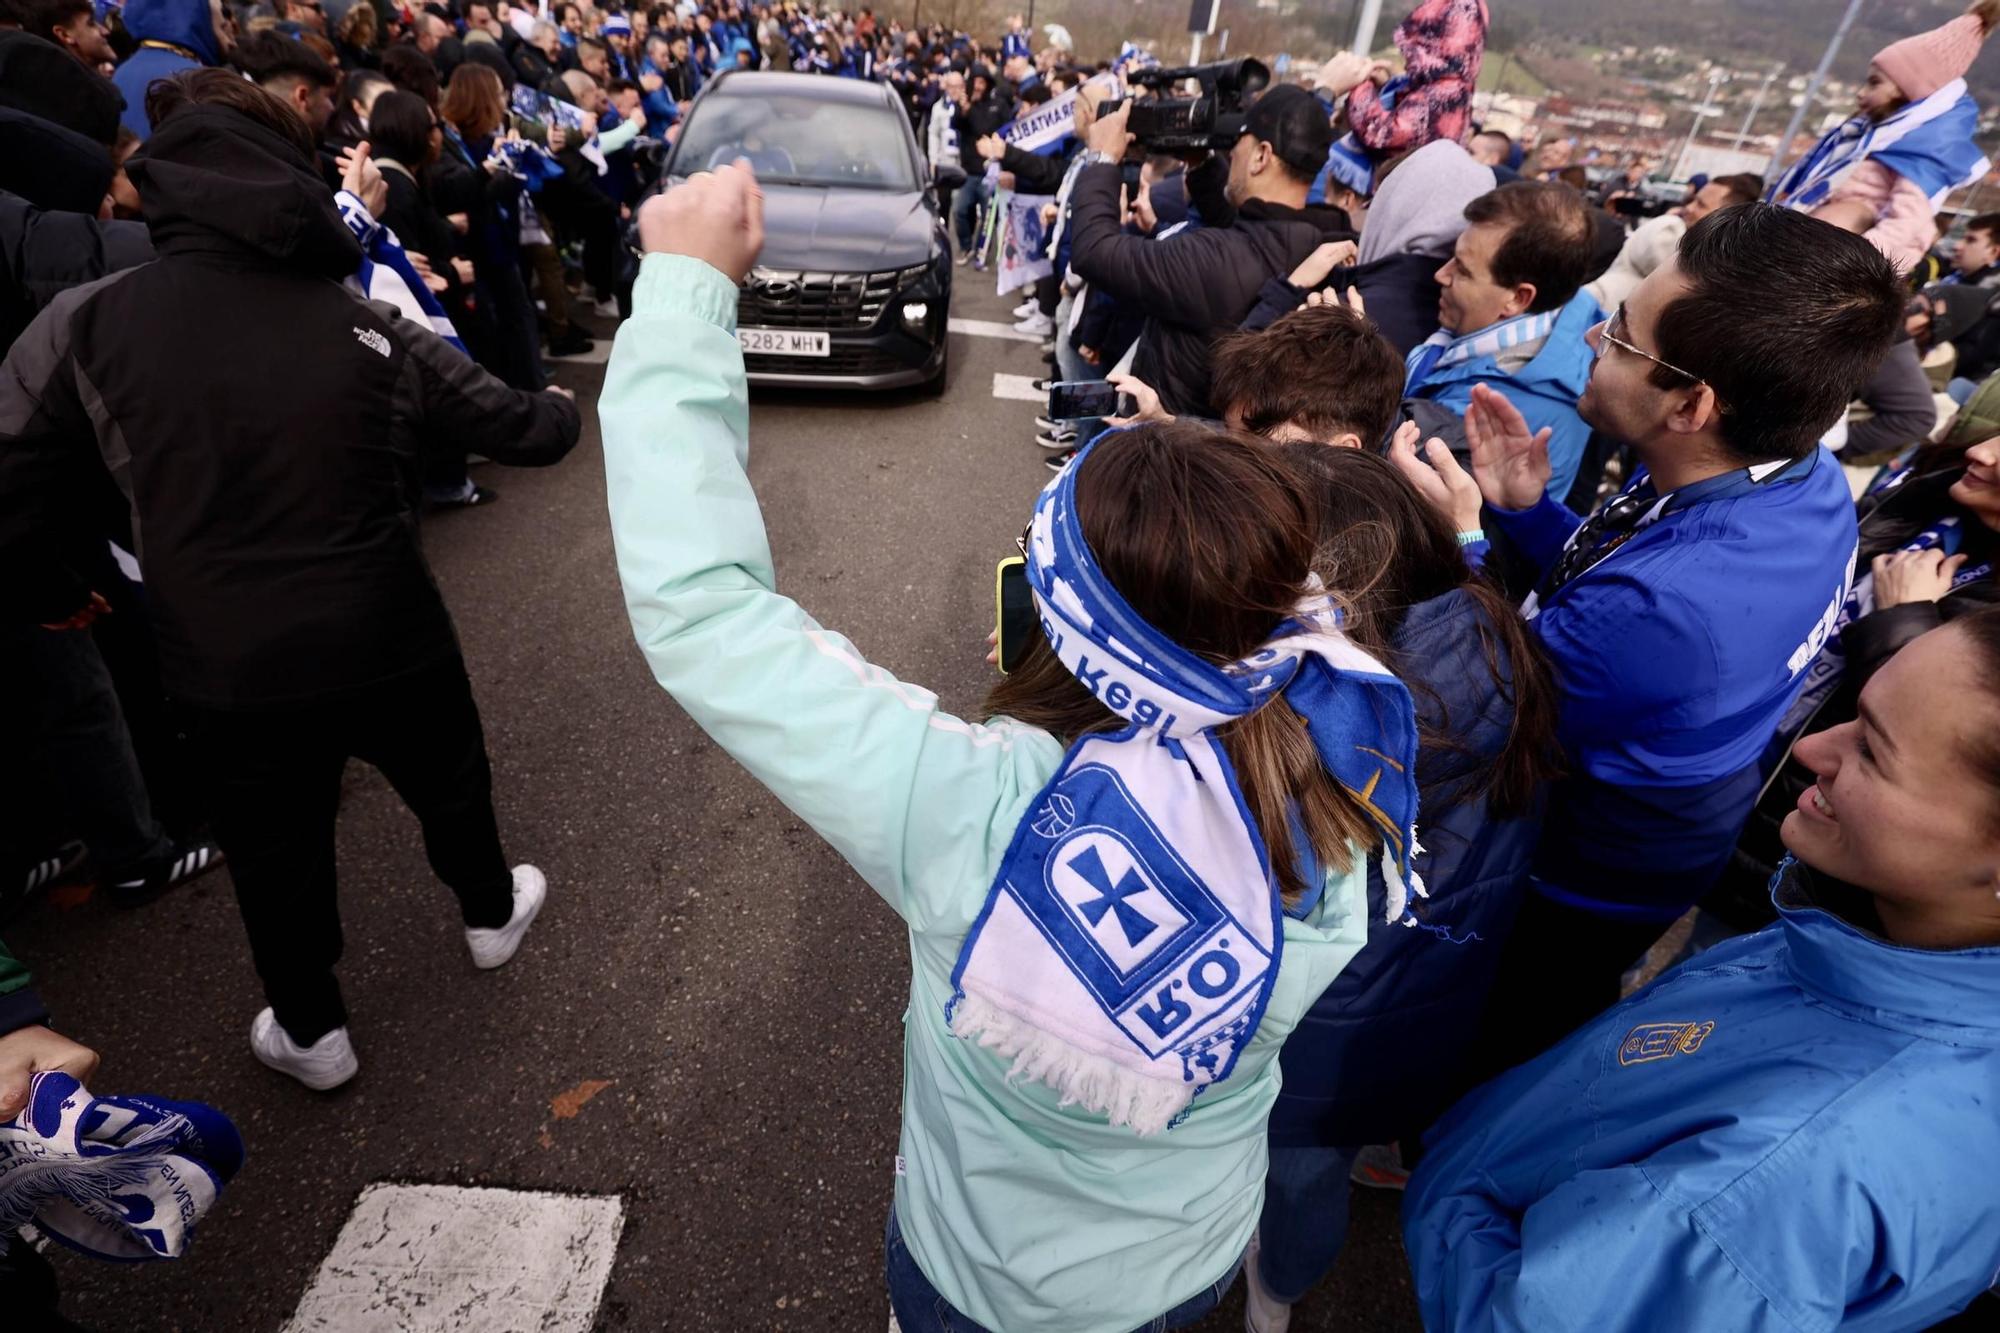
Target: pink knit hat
{"type": "Point", "coordinates": [1922, 64]}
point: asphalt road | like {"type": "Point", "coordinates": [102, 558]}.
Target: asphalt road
{"type": "Point", "coordinates": [702, 951]}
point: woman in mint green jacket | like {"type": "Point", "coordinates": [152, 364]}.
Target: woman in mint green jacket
{"type": "Point", "coordinates": [1017, 1204]}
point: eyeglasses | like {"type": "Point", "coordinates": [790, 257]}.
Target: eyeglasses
{"type": "Point", "coordinates": [1606, 338]}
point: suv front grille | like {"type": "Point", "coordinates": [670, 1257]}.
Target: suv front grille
{"type": "Point", "coordinates": [781, 299]}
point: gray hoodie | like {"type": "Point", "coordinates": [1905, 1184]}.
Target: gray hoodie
{"type": "Point", "coordinates": [1420, 209]}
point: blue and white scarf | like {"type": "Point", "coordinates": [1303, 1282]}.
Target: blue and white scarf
{"type": "Point", "coordinates": [1824, 674]}
{"type": "Point", "coordinates": [1130, 940]}
{"type": "Point", "coordinates": [118, 1178]}
{"type": "Point", "coordinates": [1928, 143]}
{"type": "Point", "coordinates": [386, 273]}
{"type": "Point", "coordinates": [1443, 350]}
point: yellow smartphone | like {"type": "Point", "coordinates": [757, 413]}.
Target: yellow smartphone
{"type": "Point", "coordinates": [1013, 611]}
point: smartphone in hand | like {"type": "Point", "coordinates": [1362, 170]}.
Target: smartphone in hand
{"type": "Point", "coordinates": [1013, 611]}
{"type": "Point", "coordinates": [1080, 400]}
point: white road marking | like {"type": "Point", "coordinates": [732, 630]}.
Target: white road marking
{"type": "Point", "coordinates": [986, 328]}
{"type": "Point", "coordinates": [449, 1259]}
{"type": "Point", "coordinates": [1019, 388]}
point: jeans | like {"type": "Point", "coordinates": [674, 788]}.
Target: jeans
{"type": "Point", "coordinates": [920, 1309]}
{"type": "Point", "coordinates": [76, 755]}
{"type": "Point", "coordinates": [1071, 366]}
{"type": "Point", "coordinates": [1304, 1222]}
{"type": "Point", "coordinates": [274, 783]}
{"type": "Point", "coordinates": [1960, 390]}
{"type": "Point", "coordinates": [964, 210]}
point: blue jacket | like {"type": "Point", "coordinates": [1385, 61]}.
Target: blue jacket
{"type": "Point", "coordinates": [1675, 656]}
{"type": "Point", "coordinates": [174, 35]}
{"type": "Point", "coordinates": [1545, 390]}
{"type": "Point", "coordinates": [1794, 1131]}
{"type": "Point", "coordinates": [1380, 1054]}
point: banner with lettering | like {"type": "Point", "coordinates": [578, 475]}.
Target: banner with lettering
{"type": "Point", "coordinates": [1045, 129]}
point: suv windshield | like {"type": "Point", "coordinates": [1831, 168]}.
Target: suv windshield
{"type": "Point", "coordinates": [798, 140]}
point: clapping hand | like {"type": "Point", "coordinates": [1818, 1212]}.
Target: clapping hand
{"type": "Point", "coordinates": [1510, 462]}
{"type": "Point", "coordinates": [1437, 476]}
{"type": "Point", "coordinates": [992, 147]}
{"type": "Point", "coordinates": [714, 216]}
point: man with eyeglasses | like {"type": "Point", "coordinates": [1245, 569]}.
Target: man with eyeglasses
{"type": "Point", "coordinates": [1681, 615]}
{"type": "Point", "coordinates": [1512, 317]}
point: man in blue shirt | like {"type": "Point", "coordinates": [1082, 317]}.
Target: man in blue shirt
{"type": "Point", "coordinates": [1680, 616]}
{"type": "Point", "coordinates": [1512, 316]}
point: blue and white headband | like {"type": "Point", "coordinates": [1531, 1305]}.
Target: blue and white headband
{"type": "Point", "coordinates": [1132, 934]}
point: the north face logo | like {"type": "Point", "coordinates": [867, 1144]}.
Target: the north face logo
{"type": "Point", "coordinates": [373, 340]}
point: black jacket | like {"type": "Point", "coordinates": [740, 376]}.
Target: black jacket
{"type": "Point", "coordinates": [44, 253]}
{"type": "Point", "coordinates": [1401, 293]}
{"type": "Point", "coordinates": [974, 123]}
{"type": "Point", "coordinates": [1899, 394]}
{"type": "Point", "coordinates": [268, 450]}
{"type": "Point", "coordinates": [1196, 285]}
{"type": "Point", "coordinates": [1889, 519]}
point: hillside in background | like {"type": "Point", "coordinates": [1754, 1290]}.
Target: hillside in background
{"type": "Point", "coordinates": [1737, 31]}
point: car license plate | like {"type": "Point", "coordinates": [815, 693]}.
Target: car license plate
{"type": "Point", "coordinates": [784, 342]}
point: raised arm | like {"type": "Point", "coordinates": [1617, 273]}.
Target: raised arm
{"type": "Point", "coordinates": [911, 796]}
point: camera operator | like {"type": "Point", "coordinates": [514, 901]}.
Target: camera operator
{"type": "Point", "coordinates": [1199, 284]}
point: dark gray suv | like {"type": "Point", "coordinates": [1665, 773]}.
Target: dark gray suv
{"type": "Point", "coordinates": [854, 284]}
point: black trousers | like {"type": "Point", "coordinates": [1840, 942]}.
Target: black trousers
{"type": "Point", "coordinates": [1560, 968]}
{"type": "Point", "coordinates": [273, 782]}
{"type": "Point", "coordinates": [584, 213]}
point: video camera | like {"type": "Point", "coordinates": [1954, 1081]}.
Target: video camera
{"type": "Point", "coordinates": [1165, 124]}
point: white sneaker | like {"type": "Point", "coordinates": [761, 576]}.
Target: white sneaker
{"type": "Point", "coordinates": [491, 948]}
{"type": "Point", "coordinates": [327, 1063]}
{"type": "Point", "coordinates": [605, 309]}
{"type": "Point", "coordinates": [1026, 308]}
{"type": "Point", "coordinates": [1038, 324]}
{"type": "Point", "coordinates": [1262, 1312]}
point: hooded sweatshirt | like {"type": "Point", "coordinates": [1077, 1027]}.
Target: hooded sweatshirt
{"type": "Point", "coordinates": [271, 466]}
{"type": "Point", "coordinates": [173, 35]}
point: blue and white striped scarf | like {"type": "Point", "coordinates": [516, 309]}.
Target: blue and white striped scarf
{"type": "Point", "coordinates": [117, 1178]}
{"type": "Point", "coordinates": [1928, 143]}
{"type": "Point", "coordinates": [386, 273]}
{"type": "Point", "coordinates": [1131, 937]}
{"type": "Point", "coordinates": [1442, 350]}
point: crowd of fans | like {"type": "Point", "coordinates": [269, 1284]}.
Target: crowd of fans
{"type": "Point", "coordinates": [1447, 461]}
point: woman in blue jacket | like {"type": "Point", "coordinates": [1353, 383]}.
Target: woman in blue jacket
{"type": "Point", "coordinates": [1797, 1129]}
{"type": "Point", "coordinates": [1121, 890]}
{"type": "Point", "coordinates": [1383, 1052]}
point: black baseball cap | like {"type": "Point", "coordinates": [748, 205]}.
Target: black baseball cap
{"type": "Point", "coordinates": [1291, 120]}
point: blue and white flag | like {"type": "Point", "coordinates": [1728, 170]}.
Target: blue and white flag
{"type": "Point", "coordinates": [1928, 143]}
{"type": "Point", "coordinates": [1052, 124]}
{"type": "Point", "coordinates": [1024, 244]}
{"type": "Point", "coordinates": [539, 107]}
{"type": "Point", "coordinates": [1131, 938]}
{"type": "Point", "coordinates": [1132, 56]}
{"type": "Point", "coordinates": [117, 1178]}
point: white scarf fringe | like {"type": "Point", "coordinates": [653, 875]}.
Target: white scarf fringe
{"type": "Point", "coordinates": [1126, 1098]}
